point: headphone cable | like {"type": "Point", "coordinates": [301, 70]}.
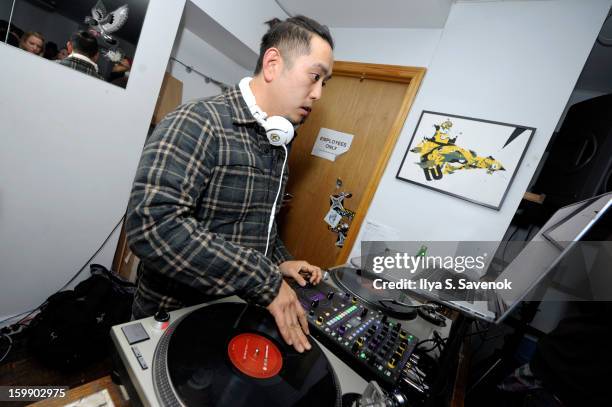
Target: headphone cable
{"type": "Point", "coordinates": [280, 186]}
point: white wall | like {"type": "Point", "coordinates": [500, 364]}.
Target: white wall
{"type": "Point", "coordinates": [197, 53]}
{"type": "Point", "coordinates": [244, 19]}
{"type": "Point", "coordinates": [514, 62]}
{"type": "Point", "coordinates": [394, 46]}
{"type": "Point", "coordinates": [71, 145]}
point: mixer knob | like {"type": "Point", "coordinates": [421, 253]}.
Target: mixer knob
{"type": "Point", "coordinates": [360, 341]}
{"type": "Point", "coordinates": [397, 326]}
{"type": "Point", "coordinates": [314, 303]}
{"type": "Point", "coordinates": [354, 300]}
{"type": "Point", "coordinates": [311, 313]}
{"type": "Point", "coordinates": [320, 320]}
{"type": "Point", "coordinates": [392, 363]}
{"type": "Point", "coordinates": [384, 319]}
{"type": "Point", "coordinates": [341, 330]}
{"type": "Point", "coordinates": [364, 312]}
{"type": "Point", "coordinates": [403, 334]}
{"type": "Point", "coordinates": [330, 295]}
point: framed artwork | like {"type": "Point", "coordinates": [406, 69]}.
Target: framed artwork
{"type": "Point", "coordinates": [471, 159]}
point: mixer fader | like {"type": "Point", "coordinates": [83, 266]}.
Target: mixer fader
{"type": "Point", "coordinates": [375, 345]}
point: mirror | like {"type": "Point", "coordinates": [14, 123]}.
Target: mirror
{"type": "Point", "coordinates": [94, 37]}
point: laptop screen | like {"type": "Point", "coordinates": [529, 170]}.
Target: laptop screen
{"type": "Point", "coordinates": [557, 247]}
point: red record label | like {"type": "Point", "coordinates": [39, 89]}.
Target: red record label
{"type": "Point", "coordinates": [255, 355]}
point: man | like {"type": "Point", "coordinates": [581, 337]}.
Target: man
{"type": "Point", "coordinates": [206, 184]}
{"type": "Point", "coordinates": [83, 54]}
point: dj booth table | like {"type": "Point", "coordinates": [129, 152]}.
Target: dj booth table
{"type": "Point", "coordinates": [347, 331]}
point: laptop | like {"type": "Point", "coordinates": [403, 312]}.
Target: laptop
{"type": "Point", "coordinates": [541, 255]}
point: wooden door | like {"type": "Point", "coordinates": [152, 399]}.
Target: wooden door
{"type": "Point", "coordinates": [370, 102]}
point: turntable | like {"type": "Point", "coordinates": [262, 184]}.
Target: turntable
{"type": "Point", "coordinates": [229, 353]}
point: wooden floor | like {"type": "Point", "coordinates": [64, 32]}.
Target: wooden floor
{"type": "Point", "coordinates": [86, 390]}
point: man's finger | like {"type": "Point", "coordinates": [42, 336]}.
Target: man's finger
{"type": "Point", "coordinates": [283, 328]}
{"type": "Point", "coordinates": [298, 277]}
{"type": "Point", "coordinates": [303, 320]}
{"type": "Point", "coordinates": [302, 327]}
{"type": "Point", "coordinates": [294, 329]}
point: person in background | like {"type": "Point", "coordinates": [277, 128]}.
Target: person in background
{"type": "Point", "coordinates": [120, 73]}
{"type": "Point", "coordinates": [61, 54]}
{"type": "Point", "coordinates": [83, 49]}
{"type": "Point", "coordinates": [50, 50]}
{"type": "Point", "coordinates": [33, 42]}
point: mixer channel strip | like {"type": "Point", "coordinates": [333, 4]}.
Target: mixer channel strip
{"type": "Point", "coordinates": [366, 338]}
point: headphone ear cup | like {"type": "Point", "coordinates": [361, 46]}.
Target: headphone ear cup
{"type": "Point", "coordinates": [278, 130]}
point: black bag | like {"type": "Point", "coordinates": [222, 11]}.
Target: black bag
{"type": "Point", "coordinates": [73, 328]}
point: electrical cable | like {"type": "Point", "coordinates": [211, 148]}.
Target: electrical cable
{"type": "Point", "coordinates": [9, 347]}
{"type": "Point", "coordinates": [403, 304]}
{"type": "Point", "coordinates": [69, 281]}
{"type": "Point", "coordinates": [8, 27]}
{"type": "Point", "coordinates": [280, 186]}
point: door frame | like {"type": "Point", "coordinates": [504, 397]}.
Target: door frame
{"type": "Point", "coordinates": [413, 76]}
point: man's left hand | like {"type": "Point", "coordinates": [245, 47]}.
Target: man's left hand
{"type": "Point", "coordinates": [298, 269]}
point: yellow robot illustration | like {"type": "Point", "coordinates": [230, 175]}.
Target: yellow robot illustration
{"type": "Point", "coordinates": [440, 155]}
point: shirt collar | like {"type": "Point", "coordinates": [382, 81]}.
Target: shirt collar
{"type": "Point", "coordinates": [238, 108]}
{"type": "Point", "coordinates": [84, 58]}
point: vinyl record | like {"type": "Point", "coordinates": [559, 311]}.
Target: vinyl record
{"type": "Point", "coordinates": [231, 354]}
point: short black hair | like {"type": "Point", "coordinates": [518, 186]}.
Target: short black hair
{"type": "Point", "coordinates": [291, 37]}
{"type": "Point", "coordinates": [84, 43]}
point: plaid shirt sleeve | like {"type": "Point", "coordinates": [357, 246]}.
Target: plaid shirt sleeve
{"type": "Point", "coordinates": [280, 254]}
{"type": "Point", "coordinates": [176, 163]}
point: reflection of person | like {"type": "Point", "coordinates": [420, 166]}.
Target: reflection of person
{"type": "Point", "coordinates": [61, 54]}
{"type": "Point", "coordinates": [121, 72]}
{"type": "Point", "coordinates": [50, 50]}
{"type": "Point", "coordinates": [201, 201]}
{"type": "Point", "coordinates": [33, 42]}
{"type": "Point", "coordinates": [83, 54]}
{"type": "Point", "coordinates": [12, 38]}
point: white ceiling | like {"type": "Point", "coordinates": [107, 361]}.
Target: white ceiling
{"type": "Point", "coordinates": [372, 14]}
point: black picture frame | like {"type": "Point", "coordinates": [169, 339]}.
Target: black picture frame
{"type": "Point", "coordinates": [458, 158]}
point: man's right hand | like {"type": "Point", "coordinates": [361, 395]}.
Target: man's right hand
{"type": "Point", "coordinates": [290, 318]}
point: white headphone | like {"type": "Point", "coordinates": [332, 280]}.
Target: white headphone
{"type": "Point", "coordinates": [279, 132]}
{"type": "Point", "coordinates": [278, 129]}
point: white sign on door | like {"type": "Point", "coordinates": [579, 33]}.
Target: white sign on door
{"type": "Point", "coordinates": [331, 143]}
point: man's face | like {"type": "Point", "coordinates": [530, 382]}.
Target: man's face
{"type": "Point", "coordinates": [298, 87]}
{"type": "Point", "coordinates": [34, 45]}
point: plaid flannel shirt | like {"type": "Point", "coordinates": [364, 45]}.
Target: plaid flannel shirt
{"type": "Point", "coordinates": [81, 66]}
{"type": "Point", "coordinates": [200, 205]}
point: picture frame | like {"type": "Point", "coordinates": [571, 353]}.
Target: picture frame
{"type": "Point", "coordinates": [468, 158]}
